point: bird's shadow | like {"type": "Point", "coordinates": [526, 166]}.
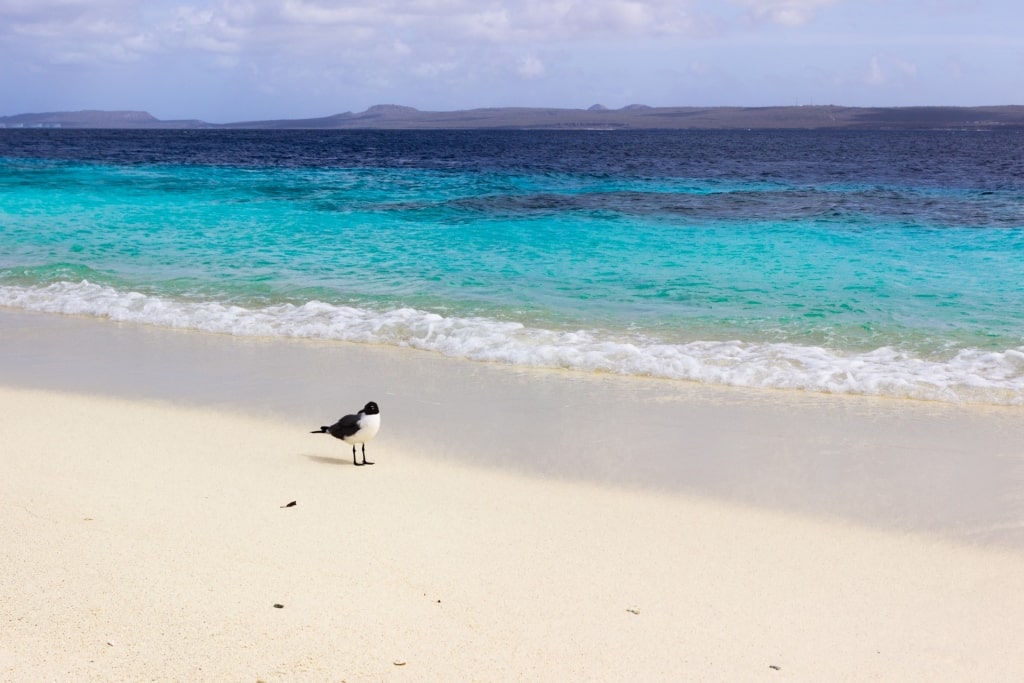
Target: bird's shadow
{"type": "Point", "coordinates": [325, 460]}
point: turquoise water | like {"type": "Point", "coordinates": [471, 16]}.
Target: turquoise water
{"type": "Point", "coordinates": [873, 263]}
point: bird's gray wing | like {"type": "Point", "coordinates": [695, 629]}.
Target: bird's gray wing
{"type": "Point", "coordinates": [346, 426]}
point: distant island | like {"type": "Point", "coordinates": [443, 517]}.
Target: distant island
{"type": "Point", "coordinates": [597, 117]}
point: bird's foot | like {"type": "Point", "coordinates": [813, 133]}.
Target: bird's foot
{"type": "Point", "coordinates": [367, 462]}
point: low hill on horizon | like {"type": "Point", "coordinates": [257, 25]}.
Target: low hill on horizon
{"type": "Point", "coordinates": [596, 117]}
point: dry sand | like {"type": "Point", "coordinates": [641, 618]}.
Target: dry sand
{"type": "Point", "coordinates": [146, 541]}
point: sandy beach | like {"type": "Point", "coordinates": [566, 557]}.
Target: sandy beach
{"type": "Point", "coordinates": [518, 525]}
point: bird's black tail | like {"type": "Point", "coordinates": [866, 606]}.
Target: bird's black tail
{"type": "Point", "coordinates": [322, 430]}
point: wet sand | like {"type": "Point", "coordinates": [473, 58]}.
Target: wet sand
{"type": "Point", "coordinates": [953, 471]}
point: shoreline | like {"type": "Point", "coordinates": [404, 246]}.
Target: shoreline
{"type": "Point", "coordinates": [907, 466]}
{"type": "Point", "coordinates": [154, 540]}
{"type": "Point", "coordinates": [970, 376]}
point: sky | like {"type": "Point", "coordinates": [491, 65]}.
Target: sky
{"type": "Point", "coordinates": [242, 60]}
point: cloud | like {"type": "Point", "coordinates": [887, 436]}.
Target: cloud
{"type": "Point", "coordinates": [434, 69]}
{"type": "Point", "coordinates": [783, 12]}
{"type": "Point", "coordinates": [875, 75]}
{"type": "Point", "coordinates": [293, 26]}
{"type": "Point", "coordinates": [361, 46]}
{"type": "Point", "coordinates": [366, 46]}
{"type": "Point", "coordinates": [204, 30]}
{"type": "Point", "coordinates": [883, 71]}
{"type": "Point", "coordinates": [74, 31]}
{"type": "Point", "coordinates": [530, 67]}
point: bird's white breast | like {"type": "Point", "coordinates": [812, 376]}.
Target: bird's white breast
{"type": "Point", "coordinates": [369, 425]}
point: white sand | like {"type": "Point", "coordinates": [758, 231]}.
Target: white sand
{"type": "Point", "coordinates": [145, 541]}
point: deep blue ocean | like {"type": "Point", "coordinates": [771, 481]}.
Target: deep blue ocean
{"type": "Point", "coordinates": [879, 263]}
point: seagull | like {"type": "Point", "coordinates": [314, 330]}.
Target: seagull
{"type": "Point", "coordinates": [353, 429]}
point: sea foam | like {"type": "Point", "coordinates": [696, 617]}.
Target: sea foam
{"type": "Point", "coordinates": [968, 376]}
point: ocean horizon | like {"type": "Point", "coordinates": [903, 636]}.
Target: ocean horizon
{"type": "Point", "coordinates": [881, 263]}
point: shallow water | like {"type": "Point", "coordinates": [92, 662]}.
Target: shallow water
{"type": "Point", "coordinates": [879, 263]}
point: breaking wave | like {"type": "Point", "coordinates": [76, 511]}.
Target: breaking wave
{"type": "Point", "coordinates": [968, 376]}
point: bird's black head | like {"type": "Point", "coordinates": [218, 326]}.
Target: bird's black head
{"type": "Point", "coordinates": [370, 409]}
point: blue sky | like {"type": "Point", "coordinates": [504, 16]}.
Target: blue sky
{"type": "Point", "coordinates": [236, 60]}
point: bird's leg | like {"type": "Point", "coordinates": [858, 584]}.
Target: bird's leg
{"type": "Point", "coordinates": [365, 461]}
{"type": "Point", "coordinates": [354, 462]}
